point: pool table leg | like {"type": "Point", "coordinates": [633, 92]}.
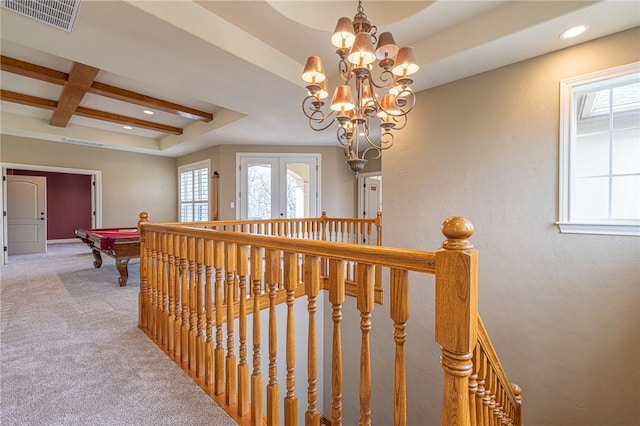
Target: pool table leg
{"type": "Point", "coordinates": [98, 259]}
{"type": "Point", "coordinates": [121, 264]}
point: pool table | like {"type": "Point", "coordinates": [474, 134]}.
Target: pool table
{"type": "Point", "coordinates": [122, 244]}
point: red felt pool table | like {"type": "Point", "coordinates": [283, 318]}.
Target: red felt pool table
{"type": "Point", "coordinates": [122, 244]}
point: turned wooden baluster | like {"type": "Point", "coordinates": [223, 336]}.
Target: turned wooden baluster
{"type": "Point", "coordinates": [456, 316]}
{"type": "Point", "coordinates": [184, 296]}
{"type": "Point", "coordinates": [365, 304]}
{"type": "Point", "coordinates": [177, 299]}
{"type": "Point", "coordinates": [481, 369]}
{"type": "Point", "coordinates": [219, 350]}
{"type": "Point", "coordinates": [144, 270]}
{"type": "Point", "coordinates": [517, 391]}
{"type": "Point", "coordinates": [157, 276]}
{"type": "Point", "coordinates": [193, 309]}
{"type": "Point", "coordinates": [257, 254]}
{"type": "Point", "coordinates": [290, 284]}
{"type": "Point", "coordinates": [200, 308]}
{"type": "Point", "coordinates": [273, 389]}
{"type": "Point", "coordinates": [399, 308]}
{"type": "Point", "coordinates": [163, 258]}
{"type": "Point", "coordinates": [209, 360]}
{"type": "Point", "coordinates": [502, 405]}
{"type": "Point", "coordinates": [154, 284]}
{"type": "Point", "coordinates": [492, 396]}
{"type": "Point", "coordinates": [231, 390]}
{"type": "Point", "coordinates": [171, 323]}
{"type": "Point", "coordinates": [473, 389]}
{"type": "Point", "coordinates": [312, 289]}
{"type": "Point", "coordinates": [243, 367]}
{"type": "Point", "coordinates": [272, 277]}
{"type": "Point", "coordinates": [486, 399]}
{"type": "Point", "coordinates": [336, 297]}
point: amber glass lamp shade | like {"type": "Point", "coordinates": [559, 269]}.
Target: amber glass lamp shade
{"type": "Point", "coordinates": [343, 35]}
{"type": "Point", "coordinates": [342, 99]}
{"type": "Point", "coordinates": [362, 52]}
{"type": "Point", "coordinates": [313, 70]}
{"type": "Point", "coordinates": [367, 95]}
{"type": "Point", "coordinates": [388, 106]}
{"type": "Point", "coordinates": [405, 63]}
{"type": "Point", "coordinates": [386, 46]}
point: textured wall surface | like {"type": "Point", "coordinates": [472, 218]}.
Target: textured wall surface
{"type": "Point", "coordinates": [563, 310]}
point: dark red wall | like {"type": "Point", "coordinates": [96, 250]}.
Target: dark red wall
{"type": "Point", "coordinates": [68, 202]}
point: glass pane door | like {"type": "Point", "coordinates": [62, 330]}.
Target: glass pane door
{"type": "Point", "coordinates": [260, 188]}
{"type": "Point", "coordinates": [298, 175]}
{"type": "Point", "coordinates": [278, 186]}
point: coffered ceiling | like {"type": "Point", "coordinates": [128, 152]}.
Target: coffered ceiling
{"type": "Point", "coordinates": [228, 72]}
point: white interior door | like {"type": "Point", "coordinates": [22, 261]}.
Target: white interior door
{"type": "Point", "coordinates": [369, 195]}
{"type": "Point", "coordinates": [26, 214]}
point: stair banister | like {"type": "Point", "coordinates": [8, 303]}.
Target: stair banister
{"type": "Point", "coordinates": [456, 316]}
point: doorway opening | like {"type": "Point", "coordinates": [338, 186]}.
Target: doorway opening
{"type": "Point", "coordinates": [63, 179]}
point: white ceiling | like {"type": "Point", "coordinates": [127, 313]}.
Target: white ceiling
{"type": "Point", "coordinates": [242, 60]}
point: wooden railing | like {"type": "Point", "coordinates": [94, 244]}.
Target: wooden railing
{"type": "Point", "coordinates": [324, 228]}
{"type": "Point", "coordinates": [199, 281]}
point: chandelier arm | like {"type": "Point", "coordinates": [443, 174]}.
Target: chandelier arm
{"type": "Point", "coordinates": [386, 80]}
{"type": "Point", "coordinates": [344, 68]}
{"type": "Point", "coordinates": [343, 137]}
{"type": "Point", "coordinates": [401, 119]}
{"type": "Point", "coordinates": [408, 98]}
{"type": "Point", "coordinates": [311, 107]}
{"type": "Point", "coordinates": [386, 140]}
{"type": "Point", "coordinates": [377, 155]}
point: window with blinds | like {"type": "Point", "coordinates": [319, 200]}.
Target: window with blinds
{"type": "Point", "coordinates": [194, 192]}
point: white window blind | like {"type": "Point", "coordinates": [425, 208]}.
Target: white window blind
{"type": "Point", "coordinates": [194, 192]}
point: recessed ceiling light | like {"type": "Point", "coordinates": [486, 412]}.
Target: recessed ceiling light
{"type": "Point", "coordinates": [148, 112]}
{"type": "Point", "coordinates": [127, 127]}
{"type": "Point", "coordinates": [574, 32]}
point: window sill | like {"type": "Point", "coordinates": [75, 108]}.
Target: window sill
{"type": "Point", "coordinates": [632, 230]}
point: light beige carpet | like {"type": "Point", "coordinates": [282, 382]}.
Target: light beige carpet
{"type": "Point", "coordinates": [71, 352]}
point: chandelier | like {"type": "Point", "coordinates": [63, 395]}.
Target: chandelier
{"type": "Point", "coordinates": [355, 105]}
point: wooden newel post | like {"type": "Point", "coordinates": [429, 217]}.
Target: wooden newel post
{"type": "Point", "coordinates": [456, 316]}
{"type": "Point", "coordinates": [142, 312]}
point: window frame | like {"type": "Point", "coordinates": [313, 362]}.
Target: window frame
{"type": "Point", "coordinates": [190, 168]}
{"type": "Point", "coordinates": [567, 159]}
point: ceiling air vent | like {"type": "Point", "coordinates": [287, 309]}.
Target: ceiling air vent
{"type": "Point", "coordinates": [58, 13]}
{"type": "Point", "coordinates": [83, 142]}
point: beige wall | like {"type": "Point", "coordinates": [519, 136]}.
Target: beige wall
{"type": "Point", "coordinates": [563, 310]}
{"type": "Point", "coordinates": [131, 182]}
{"type": "Point", "coordinates": [338, 197]}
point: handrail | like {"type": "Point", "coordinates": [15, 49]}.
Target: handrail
{"type": "Point", "coordinates": [414, 260]}
{"type": "Point", "coordinates": [194, 280]}
{"type": "Point", "coordinates": [503, 399]}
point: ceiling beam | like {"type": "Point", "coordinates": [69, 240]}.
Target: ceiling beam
{"type": "Point", "coordinates": [26, 69]}
{"type": "Point", "coordinates": [124, 95]}
{"type": "Point", "coordinates": [129, 121]}
{"type": "Point", "coordinates": [79, 81]}
{"type": "Point", "coordinates": [34, 101]}
{"type": "Point", "coordinates": [19, 98]}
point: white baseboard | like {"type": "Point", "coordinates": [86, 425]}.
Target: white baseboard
{"type": "Point", "coordinates": [62, 241]}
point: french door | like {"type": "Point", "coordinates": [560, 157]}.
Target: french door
{"type": "Point", "coordinates": [278, 186]}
